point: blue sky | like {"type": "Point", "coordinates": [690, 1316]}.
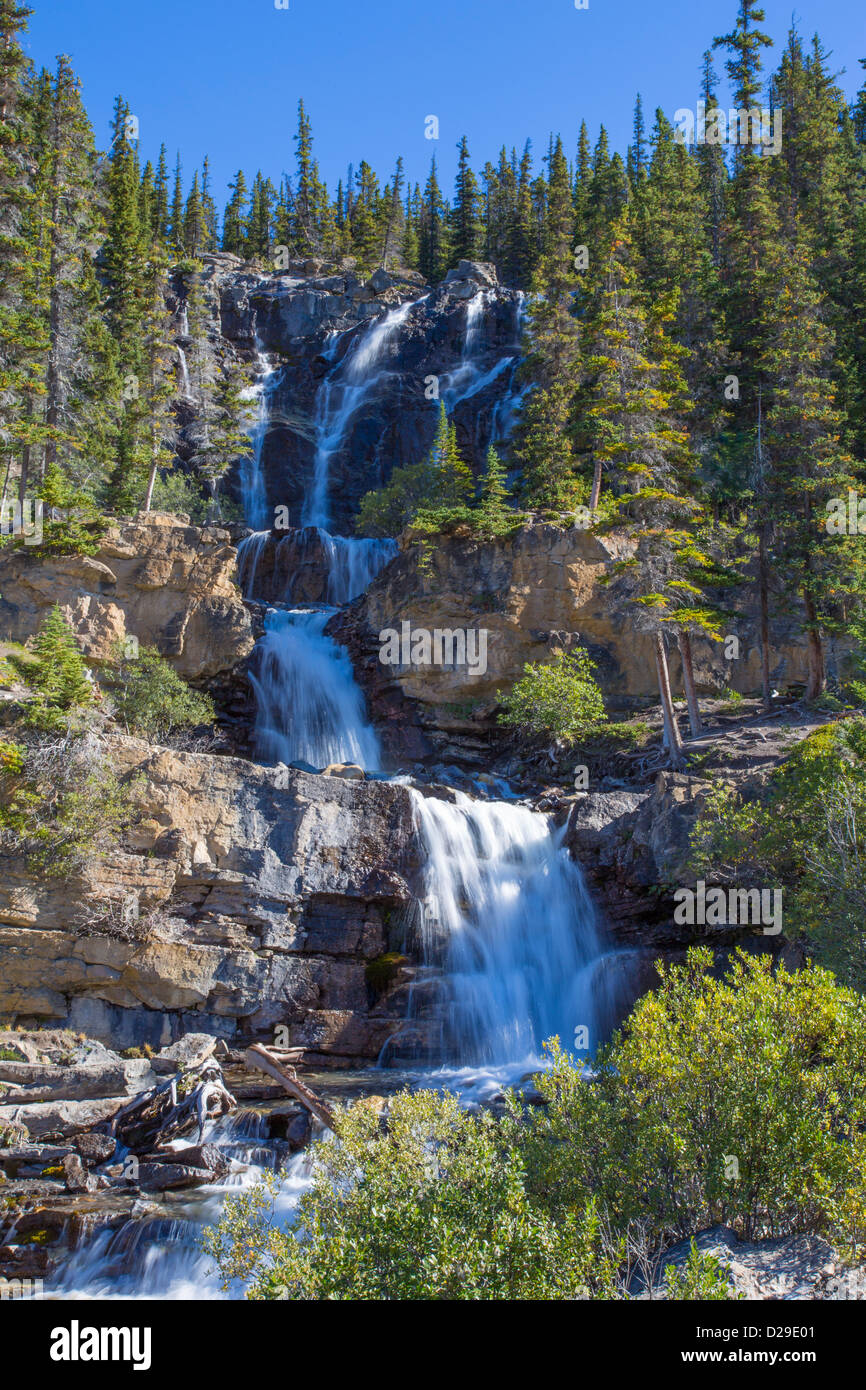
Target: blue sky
{"type": "Point", "coordinates": [223, 77]}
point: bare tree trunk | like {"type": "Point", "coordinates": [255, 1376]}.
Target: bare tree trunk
{"type": "Point", "coordinates": [674, 742]}
{"type": "Point", "coordinates": [764, 593]}
{"type": "Point", "coordinates": [685, 644]}
{"type": "Point", "coordinates": [25, 475]}
{"type": "Point", "coordinates": [151, 480]}
{"type": "Point", "coordinates": [817, 678]}
{"type": "Point", "coordinates": [595, 494]}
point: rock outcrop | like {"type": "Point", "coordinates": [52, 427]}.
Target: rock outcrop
{"type": "Point", "coordinates": [546, 587]}
{"type": "Point", "coordinates": [157, 578]}
{"type": "Point", "coordinates": [257, 898]}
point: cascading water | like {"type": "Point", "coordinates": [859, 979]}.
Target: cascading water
{"type": "Point", "coordinates": [252, 478]}
{"type": "Point", "coordinates": [341, 395]}
{"type": "Point", "coordinates": [309, 708]}
{"type": "Point", "coordinates": [161, 1257]}
{"type": "Point", "coordinates": [354, 564]}
{"type": "Point", "coordinates": [184, 373]}
{"type": "Point", "coordinates": [506, 915]}
{"type": "Point", "coordinates": [468, 379]}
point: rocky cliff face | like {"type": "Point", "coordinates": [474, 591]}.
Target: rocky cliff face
{"type": "Point", "coordinates": [542, 589]}
{"type": "Point", "coordinates": [246, 898]}
{"type": "Point", "coordinates": [311, 320]}
{"type": "Point", "coordinates": [169, 584]}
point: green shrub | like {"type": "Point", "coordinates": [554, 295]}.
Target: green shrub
{"type": "Point", "coordinates": [559, 697]}
{"type": "Point", "coordinates": [180, 494]}
{"type": "Point", "coordinates": [701, 1279]}
{"type": "Point", "coordinates": [739, 1102]}
{"type": "Point", "coordinates": [62, 804]}
{"type": "Point", "coordinates": [803, 832]}
{"type": "Point", "coordinates": [433, 1207]}
{"type": "Point", "coordinates": [150, 699]}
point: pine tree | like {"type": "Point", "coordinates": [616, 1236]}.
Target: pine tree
{"type": "Point", "coordinates": [67, 163]}
{"type": "Point", "coordinates": [59, 674]}
{"type": "Point", "coordinates": [433, 251]}
{"type": "Point", "coordinates": [805, 462]}
{"type": "Point", "coordinates": [159, 225]}
{"type": "Point", "coordinates": [209, 212]}
{"type": "Point", "coordinates": [234, 218]}
{"type": "Point", "coordinates": [194, 229]}
{"type": "Point", "coordinates": [493, 506]}
{"type": "Point", "coordinates": [175, 230]}
{"type": "Point", "coordinates": [393, 240]}
{"type": "Point", "coordinates": [124, 258]}
{"type": "Point", "coordinates": [465, 210]}
{"type": "Point", "coordinates": [636, 163]}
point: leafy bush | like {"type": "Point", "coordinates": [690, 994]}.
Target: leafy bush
{"type": "Point", "coordinates": [150, 698]}
{"type": "Point", "coordinates": [739, 1101]}
{"type": "Point", "coordinates": [61, 803]}
{"type": "Point", "coordinates": [434, 1207]}
{"type": "Point", "coordinates": [804, 832]}
{"type": "Point", "coordinates": [57, 672]}
{"type": "Point", "coordinates": [389, 509]}
{"type": "Point", "coordinates": [559, 697]}
{"type": "Point", "coordinates": [179, 494]}
{"type": "Point", "coordinates": [553, 1201]}
{"type": "Point", "coordinates": [700, 1280]}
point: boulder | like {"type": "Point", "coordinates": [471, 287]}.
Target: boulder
{"type": "Point", "coordinates": [62, 1118]}
{"type": "Point", "coordinates": [189, 1051]}
{"type": "Point", "coordinates": [94, 1148]}
{"type": "Point", "coordinates": [77, 1177]}
{"type": "Point", "coordinates": [203, 1156]}
{"type": "Point", "coordinates": [793, 1267]}
{"type": "Point", "coordinates": [350, 771]}
{"type": "Point", "coordinates": [166, 1177]}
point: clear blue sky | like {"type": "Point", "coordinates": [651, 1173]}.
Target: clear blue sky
{"type": "Point", "coordinates": [223, 77]}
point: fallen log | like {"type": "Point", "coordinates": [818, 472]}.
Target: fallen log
{"type": "Point", "coordinates": [270, 1062]}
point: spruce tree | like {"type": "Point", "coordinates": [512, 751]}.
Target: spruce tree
{"type": "Point", "coordinates": [465, 210]}
{"type": "Point", "coordinates": [234, 236]}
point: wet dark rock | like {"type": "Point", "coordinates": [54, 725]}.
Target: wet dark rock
{"type": "Point", "coordinates": [95, 1148]}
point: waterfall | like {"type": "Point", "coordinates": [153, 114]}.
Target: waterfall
{"type": "Point", "coordinates": [353, 564]}
{"type": "Point", "coordinates": [309, 708]}
{"type": "Point", "coordinates": [467, 379]}
{"type": "Point", "coordinates": [253, 493]}
{"type": "Point", "coordinates": [506, 410]}
{"type": "Point", "coordinates": [506, 913]}
{"type": "Point", "coordinates": [184, 373]}
{"type": "Point", "coordinates": [341, 395]}
{"type": "Point", "coordinates": [249, 554]}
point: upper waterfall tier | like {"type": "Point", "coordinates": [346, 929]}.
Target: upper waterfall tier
{"type": "Point", "coordinates": [360, 379]}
